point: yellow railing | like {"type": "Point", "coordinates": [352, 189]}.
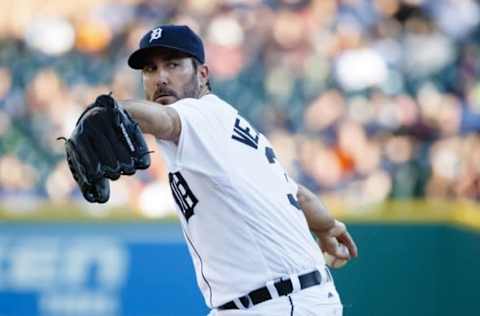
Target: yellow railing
{"type": "Point", "coordinates": [461, 213]}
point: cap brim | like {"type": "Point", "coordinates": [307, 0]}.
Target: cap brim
{"type": "Point", "coordinates": [138, 58]}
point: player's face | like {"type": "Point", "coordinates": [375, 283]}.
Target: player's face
{"type": "Point", "coordinates": [169, 76]}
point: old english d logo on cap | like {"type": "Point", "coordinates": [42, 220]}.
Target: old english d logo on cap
{"type": "Point", "coordinates": [155, 34]}
{"type": "Point", "coordinates": [174, 37]}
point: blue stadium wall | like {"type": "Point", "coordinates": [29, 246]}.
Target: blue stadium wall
{"type": "Point", "coordinates": [133, 269]}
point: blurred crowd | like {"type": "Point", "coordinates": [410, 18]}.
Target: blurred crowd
{"type": "Point", "coordinates": [364, 100]}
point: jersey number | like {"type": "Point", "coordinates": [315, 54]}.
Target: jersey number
{"type": "Point", "coordinates": [271, 157]}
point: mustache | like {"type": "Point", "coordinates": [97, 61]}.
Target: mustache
{"type": "Point", "coordinates": [164, 91]}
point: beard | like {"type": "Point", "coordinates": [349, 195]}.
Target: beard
{"type": "Point", "coordinates": [190, 90]}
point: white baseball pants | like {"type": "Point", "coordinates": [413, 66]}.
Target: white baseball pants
{"type": "Point", "coordinates": [320, 300]}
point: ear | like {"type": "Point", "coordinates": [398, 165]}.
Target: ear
{"type": "Point", "coordinates": [203, 73]}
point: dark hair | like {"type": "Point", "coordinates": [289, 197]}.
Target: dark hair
{"type": "Point", "coordinates": [195, 64]}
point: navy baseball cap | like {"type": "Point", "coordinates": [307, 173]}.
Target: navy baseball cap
{"type": "Point", "coordinates": [176, 37]}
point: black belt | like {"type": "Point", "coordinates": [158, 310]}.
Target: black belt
{"type": "Point", "coordinates": [283, 287]}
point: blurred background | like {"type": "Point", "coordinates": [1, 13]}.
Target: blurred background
{"type": "Point", "coordinates": [372, 104]}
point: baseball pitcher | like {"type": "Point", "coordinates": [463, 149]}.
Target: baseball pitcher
{"type": "Point", "coordinates": [248, 225]}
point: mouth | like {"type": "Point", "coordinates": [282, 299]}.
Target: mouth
{"type": "Point", "coordinates": [164, 98]}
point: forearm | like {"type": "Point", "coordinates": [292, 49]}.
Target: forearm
{"type": "Point", "coordinates": [161, 122]}
{"type": "Point", "coordinates": [318, 218]}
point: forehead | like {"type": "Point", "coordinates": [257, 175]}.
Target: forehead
{"type": "Point", "coordinates": [158, 54]}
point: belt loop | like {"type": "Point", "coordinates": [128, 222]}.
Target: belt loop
{"type": "Point", "coordinates": [271, 289]}
{"type": "Point", "coordinates": [239, 304]}
{"type": "Point", "coordinates": [295, 283]}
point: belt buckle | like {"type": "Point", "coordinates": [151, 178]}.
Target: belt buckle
{"type": "Point", "coordinates": [285, 284]}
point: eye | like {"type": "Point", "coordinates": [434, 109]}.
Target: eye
{"type": "Point", "coordinates": [173, 65]}
{"type": "Point", "coordinates": [149, 68]}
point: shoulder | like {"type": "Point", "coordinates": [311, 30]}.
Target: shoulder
{"type": "Point", "coordinates": [206, 99]}
{"type": "Point", "coordinates": [205, 104]}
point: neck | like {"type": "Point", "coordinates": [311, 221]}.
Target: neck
{"type": "Point", "coordinates": [204, 91]}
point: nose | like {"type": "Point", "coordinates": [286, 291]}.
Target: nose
{"type": "Point", "coordinates": [162, 77]}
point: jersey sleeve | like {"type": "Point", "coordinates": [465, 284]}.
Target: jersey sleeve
{"type": "Point", "coordinates": [206, 128]}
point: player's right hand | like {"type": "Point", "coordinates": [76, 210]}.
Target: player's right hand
{"type": "Point", "coordinates": [338, 242]}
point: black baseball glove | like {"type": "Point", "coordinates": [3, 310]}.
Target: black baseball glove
{"type": "Point", "coordinates": [105, 144]}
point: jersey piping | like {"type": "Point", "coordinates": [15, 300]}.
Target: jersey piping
{"type": "Point", "coordinates": [201, 267]}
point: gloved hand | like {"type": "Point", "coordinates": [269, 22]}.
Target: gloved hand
{"type": "Point", "coordinates": [105, 144]}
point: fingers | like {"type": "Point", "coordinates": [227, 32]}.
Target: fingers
{"type": "Point", "coordinates": [348, 241]}
{"type": "Point", "coordinates": [338, 229]}
{"type": "Point", "coordinates": [112, 152]}
{"type": "Point", "coordinates": [339, 242]}
{"type": "Point", "coordinates": [88, 161]}
{"type": "Point", "coordinates": [344, 237]}
{"type": "Point", "coordinates": [84, 167]}
{"type": "Point", "coordinates": [119, 149]}
{"type": "Point", "coordinates": [99, 192]}
{"type": "Point", "coordinates": [102, 191]}
{"type": "Point", "coordinates": [332, 246]}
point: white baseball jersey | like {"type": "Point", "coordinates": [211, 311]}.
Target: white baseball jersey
{"type": "Point", "coordinates": [237, 205]}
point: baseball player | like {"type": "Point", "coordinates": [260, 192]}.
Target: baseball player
{"type": "Point", "coordinates": [246, 222]}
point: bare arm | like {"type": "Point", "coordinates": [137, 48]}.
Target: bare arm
{"type": "Point", "coordinates": [160, 121]}
{"type": "Point", "coordinates": [318, 217]}
{"type": "Point", "coordinates": [330, 232]}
